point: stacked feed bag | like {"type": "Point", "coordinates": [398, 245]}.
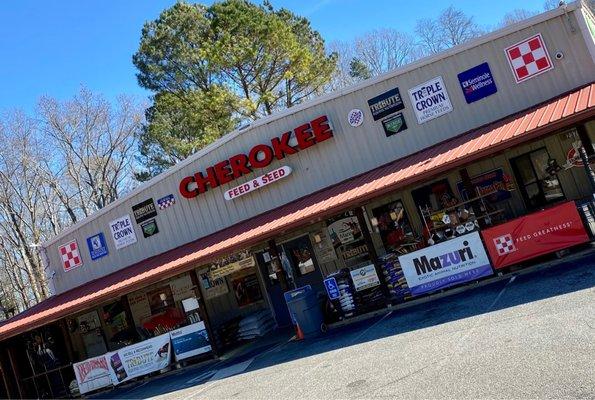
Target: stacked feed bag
{"type": "Point", "coordinates": [346, 302]}
{"type": "Point", "coordinates": [255, 325]}
{"type": "Point", "coordinates": [394, 278]}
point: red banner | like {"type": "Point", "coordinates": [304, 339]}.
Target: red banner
{"type": "Point", "coordinates": [535, 234]}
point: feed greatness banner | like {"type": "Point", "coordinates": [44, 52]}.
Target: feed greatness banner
{"type": "Point", "coordinates": [535, 234]}
{"type": "Point", "coordinates": [139, 359]}
{"type": "Point", "coordinates": [449, 263]}
{"type": "Point", "coordinates": [92, 374]}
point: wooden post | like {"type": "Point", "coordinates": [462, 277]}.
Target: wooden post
{"type": "Point", "coordinates": [204, 313]}
{"type": "Point", "coordinates": [67, 339]}
{"type": "Point", "coordinates": [277, 266]}
{"type": "Point", "coordinates": [15, 371]}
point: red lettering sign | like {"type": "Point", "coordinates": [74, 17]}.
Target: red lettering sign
{"type": "Point", "coordinates": [535, 234]}
{"type": "Point", "coordinates": [260, 156]}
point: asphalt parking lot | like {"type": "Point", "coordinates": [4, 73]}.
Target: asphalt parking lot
{"type": "Point", "coordinates": [532, 336]}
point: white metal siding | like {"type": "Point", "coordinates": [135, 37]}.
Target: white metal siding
{"type": "Point", "coordinates": [350, 152]}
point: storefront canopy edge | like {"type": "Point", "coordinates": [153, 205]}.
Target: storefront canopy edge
{"type": "Point", "coordinates": [576, 106]}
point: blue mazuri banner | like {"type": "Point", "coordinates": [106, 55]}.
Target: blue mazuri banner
{"type": "Point", "coordinates": [449, 263]}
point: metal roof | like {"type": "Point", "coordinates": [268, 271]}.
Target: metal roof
{"type": "Point", "coordinates": [557, 113]}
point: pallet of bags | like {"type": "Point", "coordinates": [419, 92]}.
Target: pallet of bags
{"type": "Point", "coordinates": [255, 325]}
{"type": "Point", "coordinates": [394, 278]}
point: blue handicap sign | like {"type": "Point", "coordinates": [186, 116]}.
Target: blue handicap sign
{"type": "Point", "coordinates": [332, 288]}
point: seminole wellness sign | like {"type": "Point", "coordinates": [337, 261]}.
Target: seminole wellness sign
{"type": "Point", "coordinates": [449, 263]}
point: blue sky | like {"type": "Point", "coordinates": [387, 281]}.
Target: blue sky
{"type": "Point", "coordinates": [54, 47]}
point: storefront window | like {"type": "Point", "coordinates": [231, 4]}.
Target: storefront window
{"type": "Point", "coordinates": [347, 238]}
{"type": "Point", "coordinates": [297, 257]}
{"type": "Point", "coordinates": [393, 225]}
{"type": "Point", "coordinates": [435, 196]}
{"type": "Point", "coordinates": [246, 287]}
{"type": "Point", "coordinates": [117, 329]}
{"type": "Point", "coordinates": [537, 186]}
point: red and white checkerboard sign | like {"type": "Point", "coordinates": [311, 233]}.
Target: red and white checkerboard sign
{"type": "Point", "coordinates": [528, 58]}
{"type": "Point", "coordinates": [504, 244]}
{"type": "Point", "coordinates": [70, 255]}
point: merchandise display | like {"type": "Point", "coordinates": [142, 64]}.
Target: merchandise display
{"type": "Point", "coordinates": [345, 303]}
{"type": "Point", "coordinates": [255, 325]}
{"type": "Point", "coordinates": [394, 277]}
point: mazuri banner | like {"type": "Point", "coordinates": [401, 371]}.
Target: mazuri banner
{"type": "Point", "coordinates": [449, 263]}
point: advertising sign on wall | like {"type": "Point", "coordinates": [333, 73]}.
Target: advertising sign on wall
{"type": "Point", "coordinates": [364, 277]}
{"type": "Point", "coordinates": [70, 256]}
{"type": "Point", "coordinates": [394, 124]}
{"type": "Point", "coordinates": [122, 232]}
{"type": "Point", "coordinates": [430, 100]}
{"type": "Point", "coordinates": [535, 234]}
{"type": "Point", "coordinates": [528, 58]}
{"type": "Point", "coordinates": [385, 104]}
{"type": "Point", "coordinates": [257, 183]}
{"type": "Point", "coordinates": [92, 374]}
{"type": "Point", "coordinates": [190, 341]}
{"type": "Point", "coordinates": [149, 228]}
{"type": "Point", "coordinates": [139, 359]}
{"type": "Point", "coordinates": [324, 249]}
{"type": "Point", "coordinates": [493, 181]}
{"type": "Point", "coordinates": [477, 83]}
{"type": "Point", "coordinates": [260, 156]}
{"type": "Point", "coordinates": [143, 211]}
{"type": "Point", "coordinates": [231, 264]}
{"type": "Point", "coordinates": [449, 263]}
{"type": "Point", "coordinates": [344, 229]}
{"type": "Point", "coordinates": [97, 246]}
{"type": "Point", "coordinates": [166, 201]}
{"type": "Point", "coordinates": [212, 288]}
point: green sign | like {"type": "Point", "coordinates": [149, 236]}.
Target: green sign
{"type": "Point", "coordinates": [149, 228]}
{"type": "Point", "coordinates": [394, 124]}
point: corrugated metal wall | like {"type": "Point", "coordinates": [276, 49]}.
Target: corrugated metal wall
{"type": "Point", "coordinates": [350, 152]}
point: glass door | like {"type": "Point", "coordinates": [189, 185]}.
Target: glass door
{"type": "Point", "coordinates": [537, 187]}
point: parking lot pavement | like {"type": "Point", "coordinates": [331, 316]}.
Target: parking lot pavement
{"type": "Point", "coordinates": [531, 336]}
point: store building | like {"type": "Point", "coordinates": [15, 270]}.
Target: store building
{"type": "Point", "coordinates": [435, 157]}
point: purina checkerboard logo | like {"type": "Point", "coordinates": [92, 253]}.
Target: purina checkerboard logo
{"type": "Point", "coordinates": [528, 58]}
{"type": "Point", "coordinates": [505, 245]}
{"type": "Point", "coordinates": [70, 256]}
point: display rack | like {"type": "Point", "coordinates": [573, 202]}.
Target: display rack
{"type": "Point", "coordinates": [435, 225]}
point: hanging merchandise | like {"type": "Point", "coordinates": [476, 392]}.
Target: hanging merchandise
{"type": "Point", "coordinates": [394, 278]}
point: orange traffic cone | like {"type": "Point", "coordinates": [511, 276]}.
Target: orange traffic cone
{"type": "Point", "coordinates": [298, 332]}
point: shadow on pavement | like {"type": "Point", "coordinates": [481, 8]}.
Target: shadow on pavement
{"type": "Point", "coordinates": [563, 278]}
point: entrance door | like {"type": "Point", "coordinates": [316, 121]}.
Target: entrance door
{"type": "Point", "coordinates": [537, 187]}
{"type": "Point", "coordinates": [300, 268]}
{"type": "Point", "coordinates": [298, 259]}
{"type": "Point", "coordinates": [273, 288]}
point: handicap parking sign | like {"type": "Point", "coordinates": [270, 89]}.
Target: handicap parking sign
{"type": "Point", "coordinates": [331, 288]}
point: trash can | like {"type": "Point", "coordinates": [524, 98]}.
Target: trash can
{"type": "Point", "coordinates": [305, 311]}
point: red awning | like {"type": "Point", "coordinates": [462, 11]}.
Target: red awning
{"type": "Point", "coordinates": [548, 117]}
